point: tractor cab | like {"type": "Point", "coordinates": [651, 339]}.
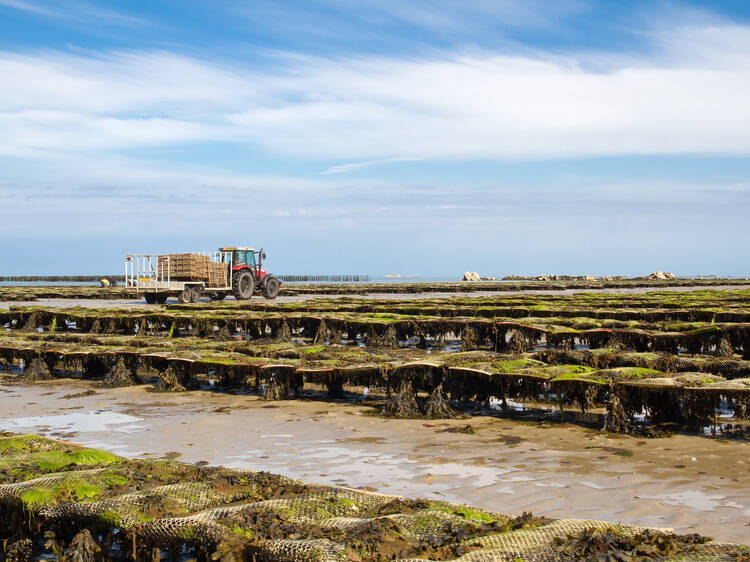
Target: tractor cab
{"type": "Point", "coordinates": [239, 257]}
{"type": "Point", "coordinates": [242, 257]}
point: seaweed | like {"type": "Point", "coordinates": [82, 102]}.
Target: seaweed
{"type": "Point", "coordinates": [35, 371]}
{"type": "Point", "coordinates": [614, 544]}
{"type": "Point", "coordinates": [436, 406]}
{"type": "Point", "coordinates": [168, 382]}
{"type": "Point", "coordinates": [83, 548]}
{"type": "Point", "coordinates": [617, 420]}
{"type": "Point", "coordinates": [403, 404]}
{"type": "Point", "coordinates": [119, 375]}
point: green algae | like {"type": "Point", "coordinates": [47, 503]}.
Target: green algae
{"type": "Point", "coordinates": [627, 373]}
{"type": "Point", "coordinates": [31, 464]}
{"type": "Point", "coordinates": [74, 489]}
{"type": "Point", "coordinates": [13, 445]}
{"type": "Point", "coordinates": [472, 514]}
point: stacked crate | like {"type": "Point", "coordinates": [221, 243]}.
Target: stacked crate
{"type": "Point", "coordinates": [186, 267]}
{"type": "Point", "coordinates": [194, 267]}
{"type": "Point", "coordinates": [218, 274]}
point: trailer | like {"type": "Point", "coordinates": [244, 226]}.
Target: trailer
{"type": "Point", "coordinates": [230, 270]}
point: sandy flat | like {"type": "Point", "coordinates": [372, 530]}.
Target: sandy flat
{"type": "Point", "coordinates": [140, 303]}
{"type": "Point", "coordinates": [688, 483]}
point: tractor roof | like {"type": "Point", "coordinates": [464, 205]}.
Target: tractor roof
{"type": "Point", "coordinates": [231, 248]}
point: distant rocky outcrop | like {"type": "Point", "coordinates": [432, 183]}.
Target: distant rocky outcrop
{"type": "Point", "coordinates": [471, 276]}
{"type": "Point", "coordinates": [660, 275]}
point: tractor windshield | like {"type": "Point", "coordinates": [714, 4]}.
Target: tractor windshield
{"type": "Point", "coordinates": [244, 257]}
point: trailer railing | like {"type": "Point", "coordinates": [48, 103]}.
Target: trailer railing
{"type": "Point", "coordinates": [146, 270]}
{"type": "Point", "coordinates": [153, 271]}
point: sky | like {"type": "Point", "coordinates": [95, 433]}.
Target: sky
{"type": "Point", "coordinates": [423, 138]}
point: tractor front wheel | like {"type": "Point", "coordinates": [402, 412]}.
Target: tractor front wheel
{"type": "Point", "coordinates": [243, 285]}
{"type": "Point", "coordinates": [271, 288]}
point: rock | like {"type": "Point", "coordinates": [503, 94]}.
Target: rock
{"type": "Point", "coordinates": [661, 275]}
{"type": "Point", "coordinates": [471, 276]}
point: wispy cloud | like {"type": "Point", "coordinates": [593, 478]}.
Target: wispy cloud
{"type": "Point", "coordinates": [690, 99]}
{"type": "Point", "coordinates": [27, 6]}
{"type": "Point", "coordinates": [396, 23]}
{"type": "Point", "coordinates": [75, 10]}
{"type": "Point", "coordinates": [355, 166]}
{"type": "Point", "coordinates": [471, 15]}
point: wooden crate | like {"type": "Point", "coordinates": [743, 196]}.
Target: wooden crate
{"type": "Point", "coordinates": [186, 267]}
{"type": "Point", "coordinates": [218, 274]}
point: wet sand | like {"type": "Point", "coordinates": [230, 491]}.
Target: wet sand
{"type": "Point", "coordinates": [140, 303]}
{"type": "Point", "coordinates": [687, 483]}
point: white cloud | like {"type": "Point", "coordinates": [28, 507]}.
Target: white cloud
{"type": "Point", "coordinates": [471, 14]}
{"type": "Point", "coordinates": [75, 11]}
{"type": "Point", "coordinates": [689, 99]}
{"type": "Point", "coordinates": [353, 166]}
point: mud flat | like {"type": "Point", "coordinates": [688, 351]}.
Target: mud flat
{"type": "Point", "coordinates": [63, 500]}
{"type": "Point", "coordinates": [625, 407]}
{"type": "Point", "coordinates": [688, 483]}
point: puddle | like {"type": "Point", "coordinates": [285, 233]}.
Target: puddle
{"type": "Point", "coordinates": [78, 422]}
{"type": "Point", "coordinates": [550, 485]}
{"type": "Point", "coordinates": [697, 500]}
{"type": "Point", "coordinates": [593, 485]}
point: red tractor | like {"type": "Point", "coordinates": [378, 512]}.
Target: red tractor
{"type": "Point", "coordinates": [234, 270]}
{"type": "Point", "coordinates": [247, 275]}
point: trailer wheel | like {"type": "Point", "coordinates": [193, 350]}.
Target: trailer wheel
{"type": "Point", "coordinates": [185, 295]}
{"type": "Point", "coordinates": [150, 298]}
{"type": "Point", "coordinates": [243, 285]}
{"type": "Point", "coordinates": [271, 288]}
{"type": "Point", "coordinates": [195, 293]}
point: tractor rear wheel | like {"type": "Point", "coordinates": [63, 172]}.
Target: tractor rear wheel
{"type": "Point", "coordinates": [150, 298]}
{"type": "Point", "coordinates": [271, 288]}
{"type": "Point", "coordinates": [243, 285]}
{"type": "Point", "coordinates": [185, 295]}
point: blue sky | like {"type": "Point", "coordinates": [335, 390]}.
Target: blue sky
{"type": "Point", "coordinates": [423, 138]}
